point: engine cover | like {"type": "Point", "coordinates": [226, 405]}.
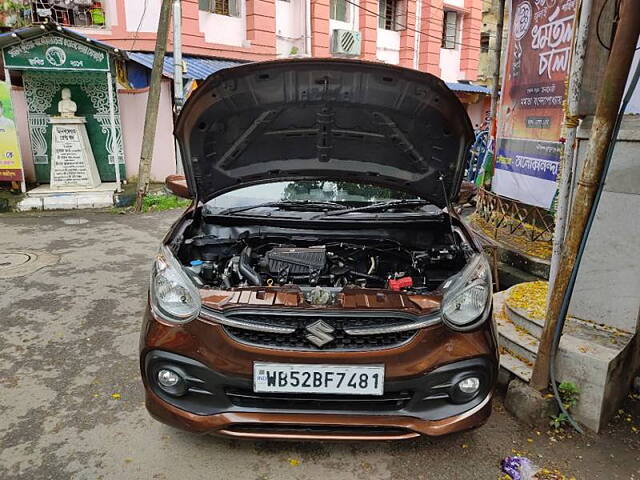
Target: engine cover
{"type": "Point", "coordinates": [296, 260]}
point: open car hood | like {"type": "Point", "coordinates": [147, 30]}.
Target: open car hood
{"type": "Point", "coordinates": [324, 119]}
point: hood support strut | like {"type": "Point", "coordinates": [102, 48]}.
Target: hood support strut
{"type": "Point", "coordinates": [449, 207]}
{"type": "Point", "coordinates": [254, 130]}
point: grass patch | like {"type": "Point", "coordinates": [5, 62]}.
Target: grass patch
{"type": "Point", "coordinates": [156, 203]}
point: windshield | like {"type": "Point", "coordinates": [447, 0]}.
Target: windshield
{"type": "Point", "coordinates": [347, 193]}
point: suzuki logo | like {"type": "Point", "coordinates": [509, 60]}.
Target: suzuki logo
{"type": "Point", "coordinates": [319, 333]}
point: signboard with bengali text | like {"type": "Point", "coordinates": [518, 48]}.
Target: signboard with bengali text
{"type": "Point", "coordinates": [533, 92]}
{"type": "Point", "coordinates": [55, 52]}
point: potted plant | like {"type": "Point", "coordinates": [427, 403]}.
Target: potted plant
{"type": "Point", "coordinates": [10, 13]}
{"type": "Point", "coordinates": [97, 14]}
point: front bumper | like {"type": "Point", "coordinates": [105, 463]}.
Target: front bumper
{"type": "Point", "coordinates": [220, 399]}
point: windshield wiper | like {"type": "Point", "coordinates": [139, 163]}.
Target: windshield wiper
{"type": "Point", "coordinates": [381, 206]}
{"type": "Point", "coordinates": [288, 205]}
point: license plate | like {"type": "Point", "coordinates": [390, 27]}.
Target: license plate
{"type": "Point", "coordinates": [307, 378]}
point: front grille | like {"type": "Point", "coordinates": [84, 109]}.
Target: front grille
{"type": "Point", "coordinates": [289, 401]}
{"type": "Point", "coordinates": [298, 339]}
{"type": "Point", "coordinates": [342, 430]}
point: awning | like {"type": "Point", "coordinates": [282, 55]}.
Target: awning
{"type": "Point", "coordinates": [468, 88]}
{"type": "Point", "coordinates": [197, 68]}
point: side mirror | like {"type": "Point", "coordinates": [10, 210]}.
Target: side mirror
{"type": "Point", "coordinates": [177, 184]}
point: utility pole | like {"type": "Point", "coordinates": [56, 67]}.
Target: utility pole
{"type": "Point", "coordinates": [496, 70]}
{"type": "Point", "coordinates": [609, 97]}
{"type": "Point", "coordinates": [153, 101]}
{"type": "Point", "coordinates": [570, 144]}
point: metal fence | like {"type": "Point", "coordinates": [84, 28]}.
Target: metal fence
{"type": "Point", "coordinates": [506, 216]}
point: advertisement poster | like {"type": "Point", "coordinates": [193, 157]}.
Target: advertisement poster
{"type": "Point", "coordinates": [533, 92]}
{"type": "Point", "coordinates": [10, 161]}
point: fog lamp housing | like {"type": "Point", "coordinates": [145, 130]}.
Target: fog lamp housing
{"type": "Point", "coordinates": [466, 388]}
{"type": "Point", "coordinates": [469, 386]}
{"type": "Point", "coordinates": [170, 380]}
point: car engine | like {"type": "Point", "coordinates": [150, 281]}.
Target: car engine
{"type": "Point", "coordinates": [268, 261]}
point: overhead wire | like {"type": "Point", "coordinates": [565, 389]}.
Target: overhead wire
{"type": "Point", "coordinates": [137, 32]}
{"type": "Point", "coordinates": [406, 27]}
{"type": "Point", "coordinates": [614, 23]}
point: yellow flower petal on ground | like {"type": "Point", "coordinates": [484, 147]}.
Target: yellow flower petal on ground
{"type": "Point", "coordinates": [530, 297]}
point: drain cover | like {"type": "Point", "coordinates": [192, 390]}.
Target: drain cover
{"type": "Point", "coordinates": [74, 221]}
{"type": "Point", "coordinates": [18, 264]}
{"type": "Point", "coordinates": [12, 260]}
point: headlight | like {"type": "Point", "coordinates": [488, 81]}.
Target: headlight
{"type": "Point", "coordinates": [467, 296]}
{"type": "Point", "coordinates": [174, 298]}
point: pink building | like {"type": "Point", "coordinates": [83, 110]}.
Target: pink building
{"type": "Point", "coordinates": [442, 38]}
{"type": "Point", "coordinates": [435, 36]}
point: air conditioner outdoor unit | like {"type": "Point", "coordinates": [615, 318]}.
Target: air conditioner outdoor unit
{"type": "Point", "coordinates": [345, 42]}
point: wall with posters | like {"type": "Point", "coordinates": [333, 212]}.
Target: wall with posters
{"type": "Point", "coordinates": [10, 160]}
{"type": "Point", "coordinates": [531, 110]}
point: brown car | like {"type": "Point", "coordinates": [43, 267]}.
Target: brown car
{"type": "Point", "coordinates": [317, 288]}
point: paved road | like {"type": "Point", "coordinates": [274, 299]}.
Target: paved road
{"type": "Point", "coordinates": [69, 346]}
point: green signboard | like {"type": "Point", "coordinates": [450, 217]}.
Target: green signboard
{"type": "Point", "coordinates": [55, 52]}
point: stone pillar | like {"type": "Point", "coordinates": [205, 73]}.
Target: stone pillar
{"type": "Point", "coordinates": [261, 23]}
{"type": "Point", "coordinates": [431, 38]}
{"type": "Point", "coordinates": [408, 35]}
{"type": "Point", "coordinates": [470, 50]}
{"type": "Point", "coordinates": [368, 29]}
{"type": "Point", "coordinates": [320, 28]}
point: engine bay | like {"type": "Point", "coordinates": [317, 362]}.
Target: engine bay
{"type": "Point", "coordinates": [397, 259]}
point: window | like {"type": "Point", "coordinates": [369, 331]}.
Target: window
{"type": "Point", "coordinates": [230, 8]}
{"type": "Point", "coordinates": [348, 193]}
{"type": "Point", "coordinates": [69, 13]}
{"type": "Point", "coordinates": [450, 29]}
{"type": "Point", "coordinates": [339, 10]}
{"type": "Point", "coordinates": [484, 42]}
{"type": "Point", "coordinates": [392, 14]}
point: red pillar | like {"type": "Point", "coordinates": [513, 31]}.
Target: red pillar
{"type": "Point", "coordinates": [261, 23]}
{"type": "Point", "coordinates": [470, 50]}
{"type": "Point", "coordinates": [408, 35]}
{"type": "Point", "coordinates": [368, 29]}
{"type": "Point", "coordinates": [320, 28]}
{"type": "Point", "coordinates": [431, 37]}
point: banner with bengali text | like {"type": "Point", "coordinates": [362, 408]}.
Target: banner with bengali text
{"type": "Point", "coordinates": [533, 93]}
{"type": "Point", "coordinates": [10, 160]}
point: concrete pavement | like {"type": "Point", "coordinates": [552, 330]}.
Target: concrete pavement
{"type": "Point", "coordinates": [72, 404]}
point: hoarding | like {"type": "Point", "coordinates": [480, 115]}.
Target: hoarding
{"type": "Point", "coordinates": [531, 112]}
{"type": "Point", "coordinates": [10, 160]}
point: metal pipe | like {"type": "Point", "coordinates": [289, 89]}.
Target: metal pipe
{"type": "Point", "coordinates": [569, 151]}
{"type": "Point", "coordinates": [416, 44]}
{"type": "Point", "coordinates": [246, 270]}
{"type": "Point", "coordinates": [178, 87]}
{"type": "Point", "coordinates": [115, 146]}
{"type": "Point", "coordinates": [496, 70]}
{"type": "Point", "coordinates": [178, 73]}
{"type": "Point", "coordinates": [307, 27]}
